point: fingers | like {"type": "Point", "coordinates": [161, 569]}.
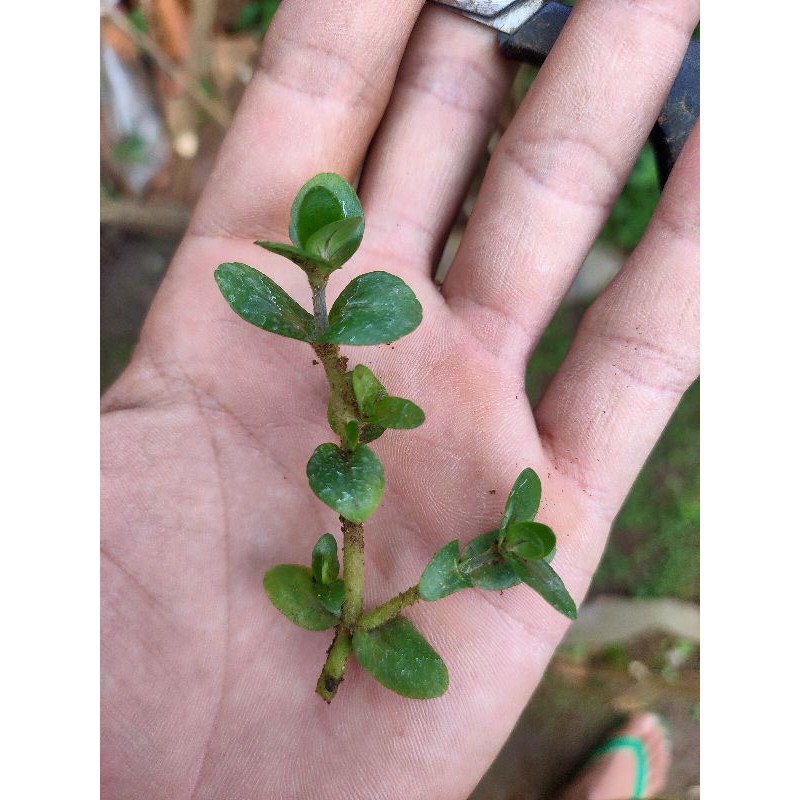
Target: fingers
{"type": "Point", "coordinates": [635, 353]}
{"type": "Point", "coordinates": [444, 107]}
{"type": "Point", "coordinates": [561, 164]}
{"type": "Point", "coordinates": [313, 105]}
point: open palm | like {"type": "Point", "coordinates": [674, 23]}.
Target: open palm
{"type": "Point", "coordinates": [208, 692]}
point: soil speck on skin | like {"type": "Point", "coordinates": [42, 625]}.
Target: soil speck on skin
{"type": "Point", "coordinates": [492, 491]}
{"type": "Point", "coordinates": [314, 362]}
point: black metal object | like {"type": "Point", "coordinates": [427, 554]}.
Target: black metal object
{"type": "Point", "coordinates": [533, 41]}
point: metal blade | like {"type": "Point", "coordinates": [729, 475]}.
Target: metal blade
{"type": "Point", "coordinates": [503, 15]}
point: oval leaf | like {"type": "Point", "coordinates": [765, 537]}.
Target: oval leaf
{"type": "Point", "coordinates": [325, 559]}
{"type": "Point", "coordinates": [352, 431]}
{"type": "Point", "coordinates": [292, 591]}
{"type": "Point", "coordinates": [335, 243]}
{"type": "Point", "coordinates": [397, 656]}
{"type": "Point", "coordinates": [542, 578]}
{"type": "Point", "coordinates": [325, 199]}
{"type": "Point", "coordinates": [397, 413]}
{"type": "Point", "coordinates": [331, 595]}
{"type": "Point", "coordinates": [529, 540]}
{"type": "Point", "coordinates": [369, 433]}
{"type": "Point", "coordinates": [300, 257]}
{"type": "Point", "coordinates": [484, 567]}
{"type": "Point", "coordinates": [376, 308]}
{"type": "Point", "coordinates": [523, 499]}
{"type": "Point", "coordinates": [260, 301]}
{"type": "Point", "coordinates": [350, 483]}
{"type": "Point", "coordinates": [367, 389]}
{"type": "Point", "coordinates": [441, 577]}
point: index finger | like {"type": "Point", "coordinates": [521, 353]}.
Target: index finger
{"type": "Point", "coordinates": [316, 98]}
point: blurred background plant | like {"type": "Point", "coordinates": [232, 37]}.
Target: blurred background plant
{"type": "Point", "coordinates": [172, 73]}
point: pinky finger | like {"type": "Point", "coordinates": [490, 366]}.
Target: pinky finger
{"type": "Point", "coordinates": [635, 353]}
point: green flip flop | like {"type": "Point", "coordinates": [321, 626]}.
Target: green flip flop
{"type": "Point", "coordinates": [637, 748]}
{"type": "Point", "coordinates": [642, 766]}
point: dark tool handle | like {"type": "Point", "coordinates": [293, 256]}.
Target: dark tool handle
{"type": "Point", "coordinates": [533, 41]}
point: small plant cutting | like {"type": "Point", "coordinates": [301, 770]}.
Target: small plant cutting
{"type": "Point", "coordinates": [326, 228]}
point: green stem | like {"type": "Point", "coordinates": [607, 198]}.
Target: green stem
{"type": "Point", "coordinates": [320, 306]}
{"type": "Point", "coordinates": [343, 409]}
{"type": "Point", "coordinates": [333, 672]}
{"type": "Point", "coordinates": [389, 610]}
{"type": "Point", "coordinates": [353, 574]}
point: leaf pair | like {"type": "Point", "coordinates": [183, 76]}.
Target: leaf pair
{"type": "Point", "coordinates": [310, 598]}
{"type": "Point", "coordinates": [518, 551]}
{"type": "Point", "coordinates": [376, 308]}
{"type": "Point", "coordinates": [326, 225]}
{"type": "Point", "coordinates": [378, 409]}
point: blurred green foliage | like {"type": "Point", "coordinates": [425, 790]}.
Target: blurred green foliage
{"type": "Point", "coordinates": [256, 16]}
{"type": "Point", "coordinates": [130, 149]}
{"type": "Point", "coordinates": [139, 20]}
{"type": "Point", "coordinates": [654, 550]}
{"type": "Point", "coordinates": [635, 205]}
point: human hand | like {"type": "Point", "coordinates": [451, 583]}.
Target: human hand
{"type": "Point", "coordinates": [207, 691]}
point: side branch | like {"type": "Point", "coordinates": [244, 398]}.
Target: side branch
{"type": "Point", "coordinates": [390, 609]}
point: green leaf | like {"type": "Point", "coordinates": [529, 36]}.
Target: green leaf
{"type": "Point", "coordinates": [367, 389]}
{"type": "Point", "coordinates": [325, 559]}
{"type": "Point", "coordinates": [292, 590]}
{"type": "Point", "coordinates": [325, 199]}
{"type": "Point", "coordinates": [331, 595]}
{"type": "Point", "coordinates": [300, 257]}
{"type": "Point", "coordinates": [484, 567]}
{"type": "Point", "coordinates": [260, 301]}
{"type": "Point", "coordinates": [397, 656]}
{"type": "Point", "coordinates": [523, 500]}
{"type": "Point", "coordinates": [398, 413]}
{"type": "Point", "coordinates": [442, 577]}
{"type": "Point", "coordinates": [369, 433]}
{"type": "Point", "coordinates": [542, 578]}
{"type": "Point", "coordinates": [335, 243]}
{"type": "Point", "coordinates": [350, 483]}
{"type": "Point", "coordinates": [352, 430]}
{"type": "Point", "coordinates": [376, 308]}
{"type": "Point", "coordinates": [529, 540]}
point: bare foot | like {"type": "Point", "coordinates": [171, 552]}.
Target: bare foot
{"type": "Point", "coordinates": [632, 764]}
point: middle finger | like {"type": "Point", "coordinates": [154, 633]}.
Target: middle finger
{"type": "Point", "coordinates": [561, 164]}
{"type": "Point", "coordinates": [444, 107]}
